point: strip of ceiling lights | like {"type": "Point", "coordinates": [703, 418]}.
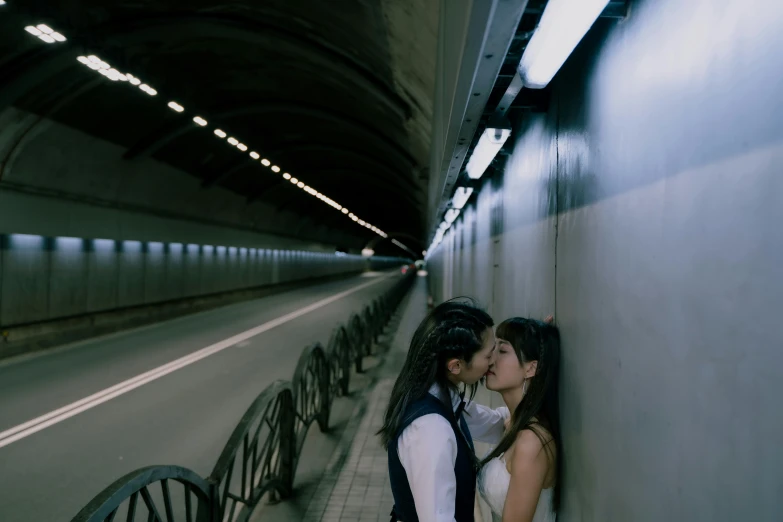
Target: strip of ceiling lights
{"type": "Point", "coordinates": [562, 26]}
{"type": "Point", "coordinates": [50, 36]}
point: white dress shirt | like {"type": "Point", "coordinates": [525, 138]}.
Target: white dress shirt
{"type": "Point", "coordinates": [428, 452]}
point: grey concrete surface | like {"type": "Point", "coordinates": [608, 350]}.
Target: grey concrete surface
{"type": "Point", "coordinates": [643, 211]}
{"type": "Point", "coordinates": [183, 418]}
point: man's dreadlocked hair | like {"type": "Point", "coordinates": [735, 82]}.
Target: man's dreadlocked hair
{"type": "Point", "coordinates": [454, 329]}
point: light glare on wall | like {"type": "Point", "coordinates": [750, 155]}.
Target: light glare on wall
{"type": "Point", "coordinates": [68, 243]}
{"type": "Point", "coordinates": [131, 246]}
{"type": "Point", "coordinates": [26, 240]}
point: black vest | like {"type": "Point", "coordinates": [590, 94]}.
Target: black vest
{"type": "Point", "coordinates": [464, 468]}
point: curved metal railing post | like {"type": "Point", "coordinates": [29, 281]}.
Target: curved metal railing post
{"type": "Point", "coordinates": [249, 467]}
{"type": "Point", "coordinates": [355, 334]}
{"type": "Point", "coordinates": [339, 355]}
{"type": "Point", "coordinates": [135, 489]}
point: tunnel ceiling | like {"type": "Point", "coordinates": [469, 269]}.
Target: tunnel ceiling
{"type": "Point", "coordinates": [339, 94]}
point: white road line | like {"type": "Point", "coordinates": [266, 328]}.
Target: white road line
{"type": "Point", "coordinates": [53, 417]}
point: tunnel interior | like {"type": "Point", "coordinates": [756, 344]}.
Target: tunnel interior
{"type": "Point", "coordinates": [240, 177]}
{"type": "Point", "coordinates": [339, 98]}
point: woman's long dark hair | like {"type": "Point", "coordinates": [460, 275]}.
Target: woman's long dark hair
{"type": "Point", "coordinates": [536, 341]}
{"type": "Point", "coordinates": [454, 329]}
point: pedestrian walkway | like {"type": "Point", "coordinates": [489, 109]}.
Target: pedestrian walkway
{"type": "Point", "coordinates": [359, 490]}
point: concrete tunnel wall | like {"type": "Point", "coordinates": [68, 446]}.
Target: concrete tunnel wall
{"type": "Point", "coordinates": [169, 245]}
{"type": "Point", "coordinates": [42, 278]}
{"type": "Point", "coordinates": [643, 210]}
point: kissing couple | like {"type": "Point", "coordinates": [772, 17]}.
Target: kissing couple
{"type": "Point", "coordinates": [430, 425]}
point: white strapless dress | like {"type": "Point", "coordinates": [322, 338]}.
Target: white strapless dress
{"type": "Point", "coordinates": [493, 483]}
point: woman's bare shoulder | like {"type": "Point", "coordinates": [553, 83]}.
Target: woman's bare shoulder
{"type": "Point", "coordinates": [530, 443]}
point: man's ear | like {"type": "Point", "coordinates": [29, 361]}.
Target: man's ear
{"type": "Point", "coordinates": [454, 366]}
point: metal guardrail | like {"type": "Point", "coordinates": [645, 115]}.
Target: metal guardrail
{"type": "Point", "coordinates": [262, 454]}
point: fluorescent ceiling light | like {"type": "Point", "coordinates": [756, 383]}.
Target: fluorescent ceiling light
{"type": "Point", "coordinates": [149, 90]}
{"type": "Point", "coordinates": [368, 252]}
{"type": "Point", "coordinates": [451, 215]}
{"type": "Point", "coordinates": [46, 38]}
{"type": "Point", "coordinates": [265, 162]}
{"type": "Point", "coordinates": [300, 185]}
{"type": "Point", "coordinates": [242, 147]}
{"type": "Point", "coordinates": [490, 143]}
{"type": "Point", "coordinates": [275, 168]}
{"type": "Point", "coordinates": [45, 29]}
{"type": "Point", "coordinates": [233, 141]}
{"type": "Point", "coordinates": [176, 106]}
{"type": "Point", "coordinates": [254, 155]}
{"type": "Point", "coordinates": [57, 36]}
{"type": "Point", "coordinates": [220, 134]}
{"type": "Point", "coordinates": [345, 210]}
{"type": "Point", "coordinates": [198, 119]}
{"type": "Point", "coordinates": [294, 181]}
{"type": "Point", "coordinates": [33, 30]}
{"type": "Point", "coordinates": [560, 29]}
{"type": "Point", "coordinates": [287, 176]}
{"type": "Point", "coordinates": [461, 197]}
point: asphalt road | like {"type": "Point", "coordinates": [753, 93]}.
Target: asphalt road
{"type": "Point", "coordinates": [183, 417]}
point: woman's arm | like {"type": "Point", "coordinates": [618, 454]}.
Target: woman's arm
{"type": "Point", "coordinates": [486, 424]}
{"type": "Point", "coordinates": [529, 467]}
{"type": "Point", "coordinates": [428, 451]}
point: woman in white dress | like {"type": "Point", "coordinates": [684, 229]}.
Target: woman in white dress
{"type": "Point", "coordinates": [520, 477]}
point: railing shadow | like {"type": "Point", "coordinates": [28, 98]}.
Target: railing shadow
{"type": "Point", "coordinates": [262, 453]}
